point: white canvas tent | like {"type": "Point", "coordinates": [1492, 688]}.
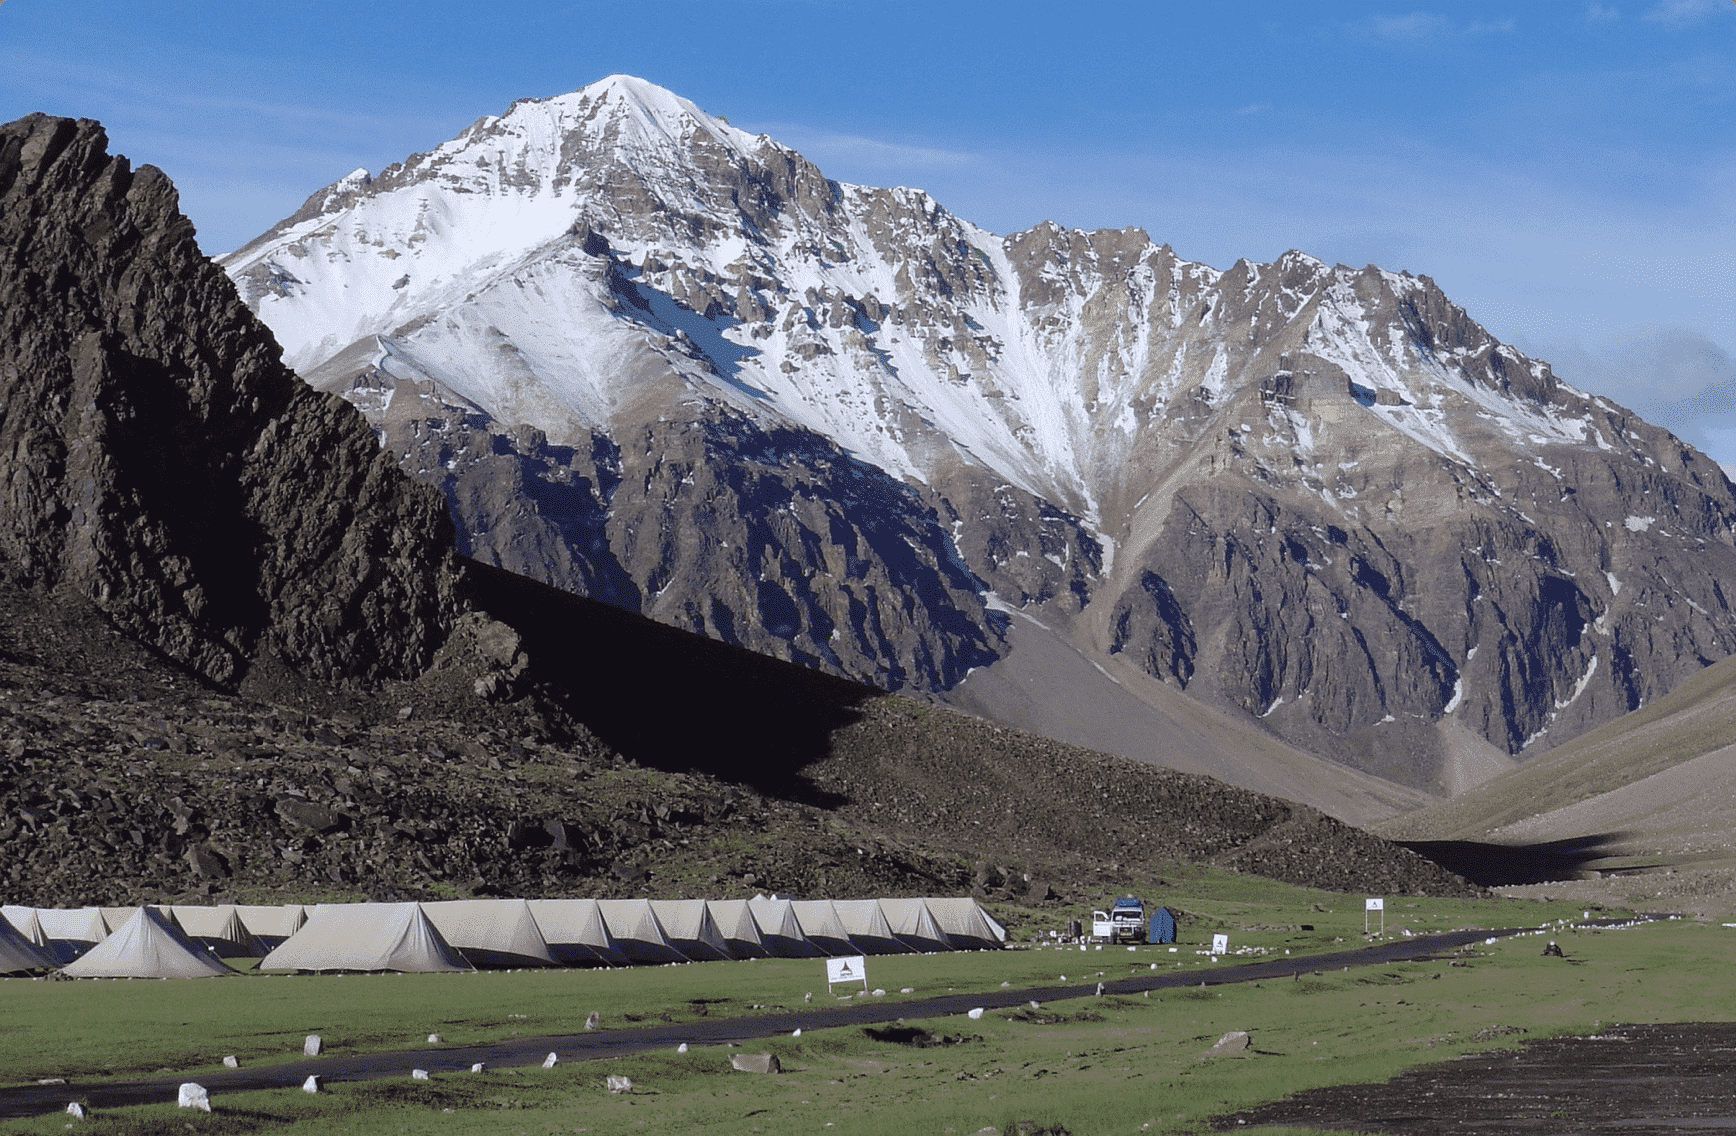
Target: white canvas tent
{"type": "Point", "coordinates": [637, 932]}
{"type": "Point", "coordinates": [966, 924]}
{"type": "Point", "coordinates": [491, 932]}
{"type": "Point", "coordinates": [271, 925]}
{"type": "Point", "coordinates": [735, 922]}
{"type": "Point", "coordinates": [17, 952]}
{"type": "Point", "coordinates": [219, 928]}
{"type": "Point", "coordinates": [366, 936]}
{"type": "Point", "coordinates": [575, 932]}
{"type": "Point", "coordinates": [25, 920]}
{"type": "Point", "coordinates": [915, 925]}
{"type": "Point", "coordinates": [822, 927]}
{"type": "Point", "coordinates": [114, 918]}
{"type": "Point", "coordinates": [71, 932]}
{"type": "Point", "coordinates": [779, 930]}
{"type": "Point", "coordinates": [866, 925]}
{"type": "Point", "coordinates": [690, 927]}
{"type": "Point", "coordinates": [149, 945]}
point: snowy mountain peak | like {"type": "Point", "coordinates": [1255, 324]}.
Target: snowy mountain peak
{"type": "Point", "coordinates": [1089, 413]}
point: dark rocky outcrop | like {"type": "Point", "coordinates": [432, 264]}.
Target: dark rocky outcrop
{"type": "Point", "coordinates": [158, 460]}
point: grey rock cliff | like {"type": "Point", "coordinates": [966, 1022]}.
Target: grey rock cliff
{"type": "Point", "coordinates": [158, 459]}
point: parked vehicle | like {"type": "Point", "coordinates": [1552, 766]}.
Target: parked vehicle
{"type": "Point", "coordinates": [1124, 922]}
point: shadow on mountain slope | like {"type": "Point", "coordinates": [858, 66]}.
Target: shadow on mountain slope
{"type": "Point", "coordinates": [673, 700]}
{"type": "Point", "coordinates": [1498, 865]}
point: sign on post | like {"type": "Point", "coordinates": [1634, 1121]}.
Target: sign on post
{"type": "Point", "coordinates": [851, 969]}
{"type": "Point", "coordinates": [1220, 944]}
{"type": "Point", "coordinates": [1374, 903]}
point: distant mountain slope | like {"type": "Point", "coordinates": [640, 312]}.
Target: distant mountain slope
{"type": "Point", "coordinates": [652, 358]}
{"type": "Point", "coordinates": [1653, 783]}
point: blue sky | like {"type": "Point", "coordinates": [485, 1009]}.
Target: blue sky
{"type": "Point", "coordinates": [1566, 171]}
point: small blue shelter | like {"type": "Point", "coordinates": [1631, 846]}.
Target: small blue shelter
{"type": "Point", "coordinates": [1161, 927]}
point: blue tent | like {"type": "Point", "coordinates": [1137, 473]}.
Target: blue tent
{"type": "Point", "coordinates": [1161, 927]}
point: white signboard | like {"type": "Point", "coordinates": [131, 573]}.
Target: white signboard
{"type": "Point", "coordinates": [1374, 903]}
{"type": "Point", "coordinates": [1369, 906]}
{"type": "Point", "coordinates": [1220, 944]}
{"type": "Point", "coordinates": [851, 969]}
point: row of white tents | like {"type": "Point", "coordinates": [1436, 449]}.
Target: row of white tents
{"type": "Point", "coordinates": [457, 935]}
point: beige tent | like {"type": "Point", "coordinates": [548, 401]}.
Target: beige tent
{"type": "Point", "coordinates": [366, 936]}
{"type": "Point", "coordinates": [866, 925]}
{"type": "Point", "coordinates": [17, 952]}
{"type": "Point", "coordinates": [966, 924]}
{"type": "Point", "coordinates": [690, 927]}
{"type": "Point", "coordinates": [822, 927]}
{"type": "Point", "coordinates": [575, 932]}
{"type": "Point", "coordinates": [271, 925]}
{"type": "Point", "coordinates": [71, 932]}
{"type": "Point", "coordinates": [219, 928]}
{"type": "Point", "coordinates": [914, 924]}
{"type": "Point", "coordinates": [735, 922]}
{"type": "Point", "coordinates": [114, 918]}
{"type": "Point", "coordinates": [779, 930]}
{"type": "Point", "coordinates": [637, 932]}
{"type": "Point", "coordinates": [25, 920]}
{"type": "Point", "coordinates": [491, 932]}
{"type": "Point", "coordinates": [149, 945]}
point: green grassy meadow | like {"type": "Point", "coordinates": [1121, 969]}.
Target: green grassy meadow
{"type": "Point", "coordinates": [1116, 1064]}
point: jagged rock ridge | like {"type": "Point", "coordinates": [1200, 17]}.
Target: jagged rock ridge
{"type": "Point", "coordinates": [1320, 496]}
{"type": "Point", "coordinates": [157, 458]}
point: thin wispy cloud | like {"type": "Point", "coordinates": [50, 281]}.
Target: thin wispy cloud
{"type": "Point", "coordinates": [1253, 108]}
{"type": "Point", "coordinates": [1416, 27]}
{"type": "Point", "coordinates": [1602, 13]}
{"type": "Point", "coordinates": [1681, 13]}
{"type": "Point", "coordinates": [826, 147]}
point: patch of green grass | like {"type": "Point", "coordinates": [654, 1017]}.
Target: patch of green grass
{"type": "Point", "coordinates": [1098, 1065]}
{"type": "Point", "coordinates": [1107, 1064]}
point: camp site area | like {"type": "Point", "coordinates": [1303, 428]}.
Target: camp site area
{"type": "Point", "coordinates": [1083, 1063]}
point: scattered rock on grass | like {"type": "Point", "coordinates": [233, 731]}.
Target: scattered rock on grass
{"type": "Point", "coordinates": [1233, 1042]}
{"type": "Point", "coordinates": [756, 1063]}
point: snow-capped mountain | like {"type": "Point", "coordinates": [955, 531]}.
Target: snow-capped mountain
{"type": "Point", "coordinates": [656, 359]}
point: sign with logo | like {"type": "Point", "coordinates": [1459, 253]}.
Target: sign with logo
{"type": "Point", "coordinates": [1220, 944]}
{"type": "Point", "coordinates": [1370, 905]}
{"type": "Point", "coordinates": [851, 969]}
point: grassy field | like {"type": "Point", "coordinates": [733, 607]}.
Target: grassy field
{"type": "Point", "coordinates": [1098, 1065]}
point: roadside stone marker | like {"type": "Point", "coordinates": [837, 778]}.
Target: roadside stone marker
{"type": "Point", "coordinates": [682, 1048]}
{"type": "Point", "coordinates": [619, 1084]}
{"type": "Point", "coordinates": [231, 1063]}
{"type": "Point", "coordinates": [193, 1095]}
{"type": "Point", "coordinates": [594, 1020]}
{"type": "Point", "coordinates": [755, 1063]}
{"type": "Point", "coordinates": [75, 1110]}
{"type": "Point", "coordinates": [312, 1045]}
{"type": "Point", "coordinates": [549, 1061]}
{"type": "Point", "coordinates": [478, 1067]}
{"type": "Point", "coordinates": [312, 1084]}
{"type": "Point", "coordinates": [433, 1039]}
{"type": "Point", "coordinates": [973, 1015]}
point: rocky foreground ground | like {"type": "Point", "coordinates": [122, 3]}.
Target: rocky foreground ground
{"type": "Point", "coordinates": [124, 779]}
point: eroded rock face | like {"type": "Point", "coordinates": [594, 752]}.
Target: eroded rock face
{"type": "Point", "coordinates": [157, 458]}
